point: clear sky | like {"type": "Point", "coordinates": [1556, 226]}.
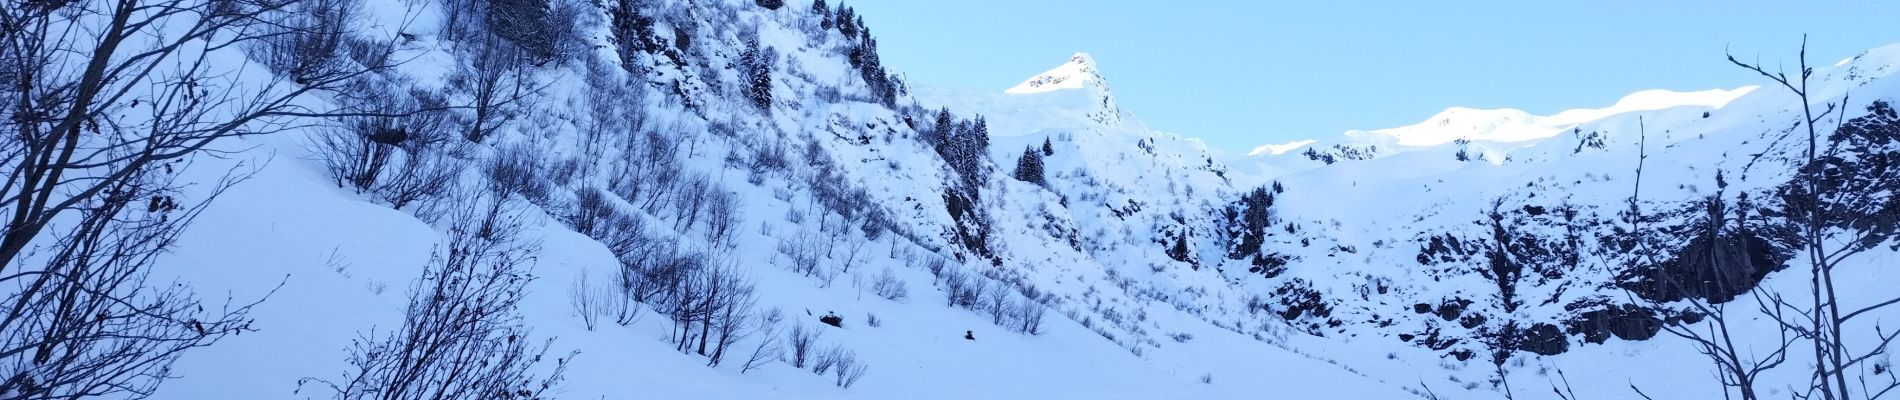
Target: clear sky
{"type": "Point", "coordinates": [1241, 73]}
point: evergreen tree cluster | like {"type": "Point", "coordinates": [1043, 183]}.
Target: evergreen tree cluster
{"type": "Point", "coordinates": [862, 53]}
{"type": "Point", "coordinates": [1247, 221]}
{"type": "Point", "coordinates": [771, 4]}
{"type": "Point", "coordinates": [962, 144]}
{"type": "Point", "coordinates": [823, 12]}
{"type": "Point", "coordinates": [756, 70]}
{"type": "Point", "coordinates": [634, 34]}
{"type": "Point", "coordinates": [1029, 167]}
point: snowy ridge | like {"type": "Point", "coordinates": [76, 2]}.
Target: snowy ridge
{"type": "Point", "coordinates": [1079, 73]}
{"type": "Point", "coordinates": [1347, 267]}
{"type": "Point", "coordinates": [1510, 125]}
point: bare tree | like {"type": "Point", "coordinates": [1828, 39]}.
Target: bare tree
{"type": "Point", "coordinates": [690, 201]}
{"type": "Point", "coordinates": [494, 78]}
{"type": "Point", "coordinates": [1739, 367]}
{"type": "Point", "coordinates": [106, 101]}
{"type": "Point", "coordinates": [801, 339]}
{"type": "Point", "coordinates": [1832, 200]}
{"type": "Point", "coordinates": [1029, 315]}
{"type": "Point", "coordinates": [768, 348]}
{"type": "Point", "coordinates": [999, 306]}
{"type": "Point", "coordinates": [462, 336]}
{"type": "Point", "coordinates": [723, 215]}
{"type": "Point", "coordinates": [888, 286]}
{"type": "Point", "coordinates": [89, 323]}
{"type": "Point", "coordinates": [590, 301]}
{"type": "Point", "coordinates": [849, 368]}
{"type": "Point", "coordinates": [398, 158]}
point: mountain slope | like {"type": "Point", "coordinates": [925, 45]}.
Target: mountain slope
{"type": "Point", "coordinates": [628, 162]}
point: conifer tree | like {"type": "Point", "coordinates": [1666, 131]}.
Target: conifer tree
{"type": "Point", "coordinates": [756, 69]}
{"type": "Point", "coordinates": [1029, 167]}
{"type": "Point", "coordinates": [824, 15]}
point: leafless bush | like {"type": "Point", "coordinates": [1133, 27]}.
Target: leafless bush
{"type": "Point", "coordinates": [723, 216]}
{"type": "Point", "coordinates": [590, 301]}
{"type": "Point", "coordinates": [823, 362]}
{"type": "Point", "coordinates": [728, 313]}
{"type": "Point", "coordinates": [936, 266]}
{"type": "Point", "coordinates": [888, 286]}
{"type": "Point", "coordinates": [849, 369]}
{"type": "Point", "coordinates": [801, 339]}
{"type": "Point", "coordinates": [424, 172]}
{"type": "Point", "coordinates": [462, 335]}
{"type": "Point", "coordinates": [650, 171]}
{"type": "Point", "coordinates": [307, 39]}
{"type": "Point", "coordinates": [691, 200]}
{"type": "Point", "coordinates": [956, 288]}
{"type": "Point", "coordinates": [592, 209]}
{"type": "Point", "coordinates": [617, 112]}
{"type": "Point", "coordinates": [768, 348]}
{"type": "Point", "coordinates": [495, 78]}
{"type": "Point", "coordinates": [514, 170]}
{"type": "Point", "coordinates": [105, 103]}
{"type": "Point", "coordinates": [393, 156]}
{"type": "Point", "coordinates": [770, 157]}
{"type": "Point", "coordinates": [999, 305]}
{"type": "Point", "coordinates": [804, 252]}
{"type": "Point", "coordinates": [854, 247]}
{"type": "Point", "coordinates": [1028, 317]}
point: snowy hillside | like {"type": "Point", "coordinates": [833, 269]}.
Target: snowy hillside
{"type": "Point", "coordinates": [735, 199]}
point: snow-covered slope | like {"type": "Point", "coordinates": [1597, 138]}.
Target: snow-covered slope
{"type": "Point", "coordinates": [672, 139]}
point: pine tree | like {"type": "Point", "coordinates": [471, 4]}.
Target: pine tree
{"type": "Point", "coordinates": [756, 69]}
{"type": "Point", "coordinates": [1029, 167]}
{"type": "Point", "coordinates": [980, 136]}
{"type": "Point", "coordinates": [843, 20]}
{"type": "Point", "coordinates": [941, 130]}
{"type": "Point", "coordinates": [1180, 250]}
{"type": "Point", "coordinates": [771, 4]}
{"type": "Point", "coordinates": [824, 15]}
{"type": "Point", "coordinates": [1047, 150]}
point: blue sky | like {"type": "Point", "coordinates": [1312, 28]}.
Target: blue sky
{"type": "Point", "coordinates": [1241, 73]}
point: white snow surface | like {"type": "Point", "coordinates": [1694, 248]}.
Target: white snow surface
{"type": "Point", "coordinates": [1127, 322]}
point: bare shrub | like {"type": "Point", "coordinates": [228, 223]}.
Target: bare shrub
{"type": "Point", "coordinates": [823, 362]}
{"type": "Point", "coordinates": [514, 170]}
{"type": "Point", "coordinates": [105, 102]}
{"type": "Point", "coordinates": [801, 339]}
{"type": "Point", "coordinates": [1028, 317]}
{"type": "Point", "coordinates": [590, 301]}
{"type": "Point", "coordinates": [768, 347]}
{"type": "Point", "coordinates": [462, 335]}
{"type": "Point", "coordinates": [592, 209]}
{"type": "Point", "coordinates": [999, 305]}
{"type": "Point", "coordinates": [723, 215]}
{"type": "Point", "coordinates": [888, 286]}
{"type": "Point", "coordinates": [849, 369]}
{"type": "Point", "coordinates": [804, 252]}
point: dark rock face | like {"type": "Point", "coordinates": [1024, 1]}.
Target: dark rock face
{"type": "Point", "coordinates": [1543, 339]}
{"type": "Point", "coordinates": [1298, 299]}
{"type": "Point", "coordinates": [1627, 322]}
{"type": "Point", "coordinates": [1715, 266]}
